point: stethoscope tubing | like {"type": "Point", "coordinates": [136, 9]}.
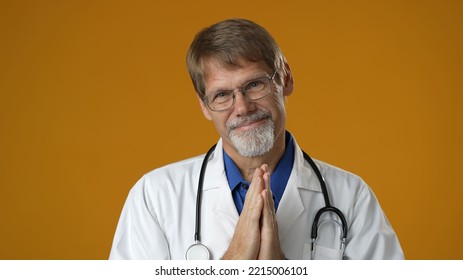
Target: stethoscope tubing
{"type": "Point", "coordinates": [328, 207]}
{"type": "Point", "coordinates": [199, 194]}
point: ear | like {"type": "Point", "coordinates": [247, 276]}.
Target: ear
{"type": "Point", "coordinates": [288, 81]}
{"type": "Point", "coordinates": [204, 109]}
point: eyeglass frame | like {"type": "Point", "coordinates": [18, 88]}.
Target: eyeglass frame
{"type": "Point", "coordinates": [243, 92]}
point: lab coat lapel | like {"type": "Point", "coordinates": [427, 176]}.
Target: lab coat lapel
{"type": "Point", "coordinates": [290, 208]}
{"type": "Point", "coordinates": [225, 210]}
{"type": "Point", "coordinates": [292, 204]}
{"type": "Point", "coordinates": [216, 187]}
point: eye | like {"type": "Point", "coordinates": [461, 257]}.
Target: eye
{"type": "Point", "coordinates": [221, 96]}
{"type": "Point", "coordinates": [255, 85]}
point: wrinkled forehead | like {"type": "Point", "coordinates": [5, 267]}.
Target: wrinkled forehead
{"type": "Point", "coordinates": [212, 65]}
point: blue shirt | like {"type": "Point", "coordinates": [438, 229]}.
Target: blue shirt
{"type": "Point", "coordinates": [278, 179]}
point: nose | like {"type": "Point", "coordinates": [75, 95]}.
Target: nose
{"type": "Point", "coordinates": [243, 106]}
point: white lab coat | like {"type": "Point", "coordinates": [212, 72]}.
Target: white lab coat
{"type": "Point", "coordinates": [158, 218]}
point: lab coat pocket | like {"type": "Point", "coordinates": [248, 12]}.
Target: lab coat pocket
{"type": "Point", "coordinates": [307, 252]}
{"type": "Point", "coordinates": [324, 253]}
{"type": "Point", "coordinates": [320, 253]}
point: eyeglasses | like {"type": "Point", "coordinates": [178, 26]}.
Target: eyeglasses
{"type": "Point", "coordinates": [252, 90]}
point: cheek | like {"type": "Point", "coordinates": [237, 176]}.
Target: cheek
{"type": "Point", "coordinates": [220, 124]}
{"type": "Point", "coordinates": [279, 103]}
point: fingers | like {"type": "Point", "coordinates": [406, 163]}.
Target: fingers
{"type": "Point", "coordinates": [266, 193]}
{"type": "Point", "coordinates": [270, 243]}
{"type": "Point", "coordinates": [254, 202]}
{"type": "Point", "coordinates": [256, 234]}
{"type": "Point", "coordinates": [269, 209]}
{"type": "Point", "coordinates": [257, 183]}
{"type": "Point", "coordinates": [246, 240]}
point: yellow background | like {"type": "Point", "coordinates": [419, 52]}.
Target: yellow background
{"type": "Point", "coordinates": [93, 94]}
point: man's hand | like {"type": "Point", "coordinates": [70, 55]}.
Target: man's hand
{"type": "Point", "coordinates": [270, 243]}
{"type": "Point", "coordinates": [256, 234]}
{"type": "Point", "coordinates": [245, 244]}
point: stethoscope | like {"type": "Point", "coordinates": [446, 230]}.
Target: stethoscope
{"type": "Point", "coordinates": [198, 251]}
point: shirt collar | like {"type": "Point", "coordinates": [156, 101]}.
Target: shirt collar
{"type": "Point", "coordinates": [233, 173]}
{"type": "Point", "coordinates": [280, 176]}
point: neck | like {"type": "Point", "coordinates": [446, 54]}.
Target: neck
{"type": "Point", "coordinates": [247, 165]}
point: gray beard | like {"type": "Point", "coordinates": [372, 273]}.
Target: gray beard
{"type": "Point", "coordinates": [255, 142]}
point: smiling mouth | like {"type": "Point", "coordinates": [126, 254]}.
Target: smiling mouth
{"type": "Point", "coordinates": [250, 122]}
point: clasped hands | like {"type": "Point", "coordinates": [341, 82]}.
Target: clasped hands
{"type": "Point", "coordinates": [256, 233]}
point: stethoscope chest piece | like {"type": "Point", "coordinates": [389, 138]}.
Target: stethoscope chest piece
{"type": "Point", "coordinates": [197, 251]}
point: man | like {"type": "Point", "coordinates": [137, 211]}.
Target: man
{"type": "Point", "coordinates": [259, 196]}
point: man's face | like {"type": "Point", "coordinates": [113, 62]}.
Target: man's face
{"type": "Point", "coordinates": [249, 128]}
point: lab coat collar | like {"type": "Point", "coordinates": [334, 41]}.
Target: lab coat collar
{"type": "Point", "coordinates": [302, 174]}
{"type": "Point", "coordinates": [216, 183]}
{"type": "Point", "coordinates": [215, 172]}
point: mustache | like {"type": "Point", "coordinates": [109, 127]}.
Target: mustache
{"type": "Point", "coordinates": [257, 116]}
